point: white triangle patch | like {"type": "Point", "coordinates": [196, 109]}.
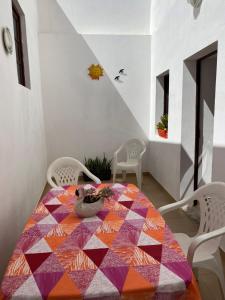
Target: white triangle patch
{"type": "Point", "coordinates": [28, 290]}
{"type": "Point", "coordinates": [145, 240]}
{"type": "Point", "coordinates": [48, 220]}
{"type": "Point", "coordinates": [53, 201]}
{"type": "Point", "coordinates": [124, 198]}
{"type": "Point", "coordinates": [169, 281]}
{"type": "Point", "coordinates": [133, 216]}
{"type": "Point", "coordinates": [100, 285]}
{"type": "Point", "coordinates": [91, 219]}
{"type": "Point", "coordinates": [118, 186]}
{"type": "Point", "coordinates": [88, 186]}
{"type": "Point", "coordinates": [95, 243]}
{"type": "Point", "coordinates": [40, 247]}
{"type": "Point", "coordinates": [58, 188]}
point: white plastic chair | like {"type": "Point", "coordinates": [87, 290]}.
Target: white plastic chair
{"type": "Point", "coordinates": [66, 170]}
{"type": "Point", "coordinates": [203, 249]}
{"type": "Point", "coordinates": [134, 151]}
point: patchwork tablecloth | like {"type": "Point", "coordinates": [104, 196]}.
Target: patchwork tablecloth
{"type": "Point", "coordinates": [125, 252]}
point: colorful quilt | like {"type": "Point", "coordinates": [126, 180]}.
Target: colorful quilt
{"type": "Point", "coordinates": [125, 252]}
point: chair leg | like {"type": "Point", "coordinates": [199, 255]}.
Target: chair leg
{"type": "Point", "coordinates": [139, 177]}
{"type": "Point", "coordinates": [196, 273]}
{"type": "Point", "coordinates": [114, 174]}
{"type": "Point", "coordinates": [124, 174]}
{"type": "Point", "coordinates": [216, 266]}
{"type": "Point", "coordinates": [220, 273]}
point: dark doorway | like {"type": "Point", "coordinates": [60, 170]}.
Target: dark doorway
{"type": "Point", "coordinates": [166, 94]}
{"type": "Point", "coordinates": [205, 104]}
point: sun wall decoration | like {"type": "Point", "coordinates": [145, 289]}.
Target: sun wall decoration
{"type": "Point", "coordinates": [95, 71]}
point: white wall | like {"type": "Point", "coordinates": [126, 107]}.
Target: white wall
{"type": "Point", "coordinates": [131, 52]}
{"type": "Point", "coordinates": [22, 137]}
{"type": "Point", "coordinates": [179, 31]}
{"type": "Point", "coordinates": [109, 16]}
{"type": "Point", "coordinates": [87, 117]}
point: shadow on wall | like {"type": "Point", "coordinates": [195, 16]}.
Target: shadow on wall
{"type": "Point", "coordinates": [83, 117]}
{"type": "Point", "coordinates": [164, 165]}
{"type": "Point", "coordinates": [197, 8]}
{"type": "Point", "coordinates": [173, 168]}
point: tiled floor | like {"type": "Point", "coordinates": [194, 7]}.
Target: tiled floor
{"type": "Point", "coordinates": [178, 221]}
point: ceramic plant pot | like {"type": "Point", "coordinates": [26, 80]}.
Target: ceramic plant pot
{"type": "Point", "coordinates": [163, 133]}
{"type": "Point", "coordinates": [86, 210]}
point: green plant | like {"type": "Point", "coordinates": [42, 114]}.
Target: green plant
{"type": "Point", "coordinates": [90, 195]}
{"type": "Point", "coordinates": [163, 124]}
{"type": "Point", "coordinates": [100, 167]}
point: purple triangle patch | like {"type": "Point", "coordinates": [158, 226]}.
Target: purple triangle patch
{"type": "Point", "coordinates": [112, 260]}
{"type": "Point", "coordinates": [137, 224]}
{"type": "Point", "coordinates": [51, 264]}
{"type": "Point", "coordinates": [45, 228]}
{"type": "Point", "coordinates": [92, 226]}
{"type": "Point", "coordinates": [116, 275]}
{"type": "Point", "coordinates": [11, 283]}
{"type": "Point", "coordinates": [102, 214]}
{"type": "Point", "coordinates": [141, 211]}
{"type": "Point", "coordinates": [182, 269]}
{"type": "Point", "coordinates": [82, 278]}
{"type": "Point", "coordinates": [170, 255]}
{"type": "Point", "coordinates": [150, 272]}
{"type": "Point", "coordinates": [59, 217]}
{"type": "Point", "coordinates": [47, 281]}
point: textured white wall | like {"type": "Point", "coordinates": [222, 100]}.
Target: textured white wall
{"type": "Point", "coordinates": [87, 117]}
{"type": "Point", "coordinates": [179, 31]}
{"type": "Point", "coordinates": [22, 142]}
{"type": "Point", "coordinates": [132, 53]}
{"type": "Point", "coordinates": [109, 16]}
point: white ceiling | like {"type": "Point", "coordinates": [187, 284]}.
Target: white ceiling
{"type": "Point", "coordinates": [109, 16]}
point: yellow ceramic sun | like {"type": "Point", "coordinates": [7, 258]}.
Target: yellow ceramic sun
{"type": "Point", "coordinates": [95, 71]}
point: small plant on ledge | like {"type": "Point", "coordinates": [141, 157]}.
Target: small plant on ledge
{"type": "Point", "coordinates": [162, 126]}
{"type": "Point", "coordinates": [99, 167]}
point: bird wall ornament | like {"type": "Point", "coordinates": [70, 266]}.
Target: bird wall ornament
{"type": "Point", "coordinates": [121, 72]}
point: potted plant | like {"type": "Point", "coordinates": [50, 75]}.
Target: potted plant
{"type": "Point", "coordinates": [162, 126]}
{"type": "Point", "coordinates": [99, 167]}
{"type": "Point", "coordinates": [90, 201]}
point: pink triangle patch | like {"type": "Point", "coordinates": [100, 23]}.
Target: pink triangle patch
{"type": "Point", "coordinates": [47, 281]}
{"type": "Point", "coordinates": [116, 275]}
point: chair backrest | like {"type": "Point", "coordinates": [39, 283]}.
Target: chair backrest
{"type": "Point", "coordinates": [134, 148]}
{"type": "Point", "coordinates": [66, 170]}
{"type": "Point", "coordinates": [211, 198]}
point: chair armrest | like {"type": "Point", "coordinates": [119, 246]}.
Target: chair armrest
{"type": "Point", "coordinates": [170, 207]}
{"type": "Point", "coordinates": [91, 176]}
{"type": "Point", "coordinates": [202, 239]}
{"type": "Point", "coordinates": [50, 181]}
{"type": "Point", "coordinates": [141, 154]}
{"type": "Point", "coordinates": [117, 152]}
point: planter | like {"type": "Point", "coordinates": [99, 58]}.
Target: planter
{"type": "Point", "coordinates": [86, 210]}
{"type": "Point", "coordinates": [163, 133]}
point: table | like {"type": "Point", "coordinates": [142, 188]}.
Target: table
{"type": "Point", "coordinates": [125, 252]}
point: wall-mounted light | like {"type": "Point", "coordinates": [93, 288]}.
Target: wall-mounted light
{"type": "Point", "coordinates": [195, 3]}
{"type": "Point", "coordinates": [7, 40]}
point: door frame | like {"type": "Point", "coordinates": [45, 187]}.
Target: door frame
{"type": "Point", "coordinates": [197, 116]}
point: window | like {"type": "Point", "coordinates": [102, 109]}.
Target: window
{"type": "Point", "coordinates": [20, 45]}
{"type": "Point", "coordinates": [162, 96]}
